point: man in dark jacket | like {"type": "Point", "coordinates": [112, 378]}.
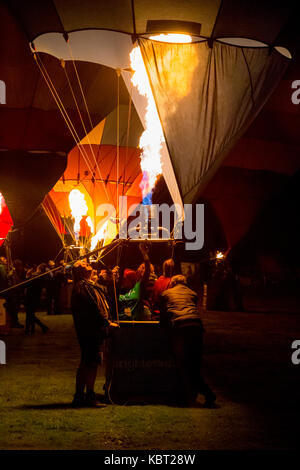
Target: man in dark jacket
{"type": "Point", "coordinates": [179, 312]}
{"type": "Point", "coordinates": [14, 297]}
{"type": "Point", "coordinates": [91, 318]}
{"type": "Point", "coordinates": [33, 298]}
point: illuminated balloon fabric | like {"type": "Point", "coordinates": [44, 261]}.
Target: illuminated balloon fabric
{"type": "Point", "coordinates": [31, 124]}
{"type": "Point", "coordinates": [99, 180]}
{"type": "Point", "coordinates": [207, 97]}
{"type": "Point", "coordinates": [25, 178]}
{"type": "Point", "coordinates": [260, 164]}
{"type": "Point", "coordinates": [5, 220]}
{"type": "Point", "coordinates": [30, 119]}
{"type": "Point", "coordinates": [104, 192]}
{"type": "Point", "coordinates": [54, 216]}
{"type": "Point", "coordinates": [218, 19]}
{"type": "Point", "coordinates": [92, 23]}
{"type": "Point", "coordinates": [227, 18]}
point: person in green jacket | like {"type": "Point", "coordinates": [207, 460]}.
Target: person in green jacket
{"type": "Point", "coordinates": [132, 305]}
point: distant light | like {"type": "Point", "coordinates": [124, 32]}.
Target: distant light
{"type": "Point", "coordinates": [219, 255]}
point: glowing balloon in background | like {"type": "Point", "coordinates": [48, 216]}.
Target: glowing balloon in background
{"type": "Point", "coordinates": [5, 220]}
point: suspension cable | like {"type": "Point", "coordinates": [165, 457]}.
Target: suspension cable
{"type": "Point", "coordinates": [116, 300]}
{"type": "Point", "coordinates": [82, 121]}
{"type": "Point", "coordinates": [127, 145]}
{"type": "Point", "coordinates": [51, 216]}
{"type": "Point", "coordinates": [89, 116]}
{"type": "Point", "coordinates": [118, 137]}
{"type": "Point", "coordinates": [27, 281]}
{"type": "Point", "coordinates": [128, 133]}
{"type": "Point", "coordinates": [62, 109]}
{"type": "Point", "coordinates": [80, 86]}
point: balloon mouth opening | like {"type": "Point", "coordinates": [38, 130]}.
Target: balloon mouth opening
{"type": "Point", "coordinates": [171, 27]}
{"type": "Point", "coordinates": [173, 38]}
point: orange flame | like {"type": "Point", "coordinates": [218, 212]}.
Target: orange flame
{"type": "Point", "coordinates": [78, 207]}
{"type": "Point", "coordinates": [152, 138]}
{"type": "Point", "coordinates": [100, 235]}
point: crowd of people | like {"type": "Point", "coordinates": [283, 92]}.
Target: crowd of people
{"type": "Point", "coordinates": [44, 287]}
{"type": "Point", "coordinates": [141, 297]}
{"type": "Point", "coordinates": [101, 298]}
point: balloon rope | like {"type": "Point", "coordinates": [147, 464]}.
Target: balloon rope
{"type": "Point", "coordinates": [84, 127]}
{"type": "Point", "coordinates": [27, 281]}
{"type": "Point", "coordinates": [89, 116]}
{"type": "Point", "coordinates": [118, 140]}
{"type": "Point", "coordinates": [116, 300]}
{"type": "Point", "coordinates": [61, 107]}
{"type": "Point", "coordinates": [127, 135]}
{"type": "Point", "coordinates": [69, 228]}
{"type": "Point", "coordinates": [30, 279]}
{"type": "Point", "coordinates": [76, 104]}
{"type": "Point", "coordinates": [108, 251]}
{"type": "Point", "coordinates": [126, 153]}
{"type": "Point", "coordinates": [80, 86]}
{"type": "Point", "coordinates": [51, 216]}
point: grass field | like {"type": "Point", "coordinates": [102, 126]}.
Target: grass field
{"type": "Point", "coordinates": [247, 362]}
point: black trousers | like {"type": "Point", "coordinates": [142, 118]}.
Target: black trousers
{"type": "Point", "coordinates": [187, 346]}
{"type": "Point", "coordinates": [31, 319]}
{"type": "Point", "coordinates": [12, 307]}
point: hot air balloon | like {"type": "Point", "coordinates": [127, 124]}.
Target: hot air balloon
{"type": "Point", "coordinates": [40, 125]}
{"type": "Point", "coordinates": [207, 92]}
{"type": "Point", "coordinates": [98, 177]}
{"type": "Point", "coordinates": [259, 164]}
{"type": "Point", "coordinates": [237, 64]}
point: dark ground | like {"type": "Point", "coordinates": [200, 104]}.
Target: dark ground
{"type": "Point", "coordinates": [247, 362]}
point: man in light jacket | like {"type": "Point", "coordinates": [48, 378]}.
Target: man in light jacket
{"type": "Point", "coordinates": [179, 312]}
